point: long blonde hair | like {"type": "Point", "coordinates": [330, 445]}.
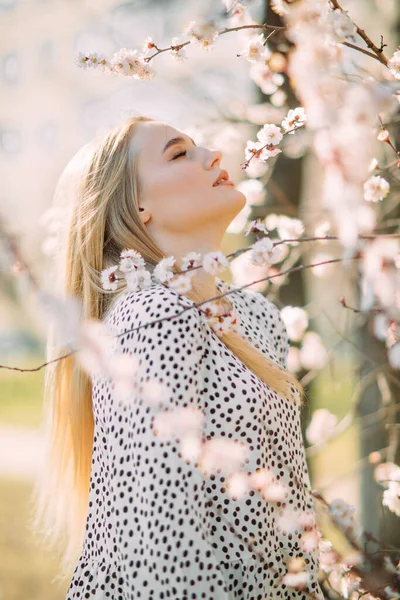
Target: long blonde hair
{"type": "Point", "coordinates": [103, 221]}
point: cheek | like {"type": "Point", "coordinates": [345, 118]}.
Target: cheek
{"type": "Point", "coordinates": [176, 180]}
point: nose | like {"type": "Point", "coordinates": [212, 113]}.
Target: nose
{"type": "Point", "coordinates": [214, 158]}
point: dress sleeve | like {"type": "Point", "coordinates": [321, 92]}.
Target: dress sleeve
{"type": "Point", "coordinates": [276, 328]}
{"type": "Point", "coordinates": [280, 336]}
{"type": "Point", "coordinates": [159, 503]}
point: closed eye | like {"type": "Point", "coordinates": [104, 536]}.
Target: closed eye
{"type": "Point", "coordinates": [182, 153]}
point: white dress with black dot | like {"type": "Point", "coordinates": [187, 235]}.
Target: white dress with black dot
{"type": "Point", "coordinates": [156, 527]}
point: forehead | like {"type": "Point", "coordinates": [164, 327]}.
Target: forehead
{"type": "Point", "coordinates": [151, 137]}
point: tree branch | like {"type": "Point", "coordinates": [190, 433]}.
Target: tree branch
{"type": "Point", "coordinates": [378, 52]}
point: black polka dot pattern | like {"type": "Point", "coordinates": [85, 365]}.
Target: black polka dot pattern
{"type": "Point", "coordinates": [156, 527]}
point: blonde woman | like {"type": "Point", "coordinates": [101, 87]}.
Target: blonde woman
{"type": "Point", "coordinates": [133, 515]}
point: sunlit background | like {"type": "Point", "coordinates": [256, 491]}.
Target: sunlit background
{"type": "Point", "coordinates": [49, 109]}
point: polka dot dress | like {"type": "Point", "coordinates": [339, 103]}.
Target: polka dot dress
{"type": "Point", "coordinates": [157, 527]}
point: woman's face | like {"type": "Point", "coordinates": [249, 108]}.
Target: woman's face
{"type": "Point", "coordinates": [176, 180]}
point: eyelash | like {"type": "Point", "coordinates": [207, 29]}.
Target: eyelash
{"type": "Point", "coordinates": [182, 153]}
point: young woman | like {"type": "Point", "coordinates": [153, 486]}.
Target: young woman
{"type": "Point", "coordinates": [140, 520]}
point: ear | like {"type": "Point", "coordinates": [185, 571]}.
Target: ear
{"type": "Point", "coordinates": [144, 214]}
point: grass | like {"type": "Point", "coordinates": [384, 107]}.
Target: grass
{"type": "Point", "coordinates": [21, 395]}
{"type": "Point", "coordinates": [333, 470]}
{"type": "Point", "coordinates": [27, 571]}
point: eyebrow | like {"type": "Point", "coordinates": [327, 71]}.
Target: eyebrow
{"type": "Point", "coordinates": [176, 140]}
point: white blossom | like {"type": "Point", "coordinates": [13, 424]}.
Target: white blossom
{"type": "Point", "coordinates": [239, 15]}
{"type": "Point", "coordinates": [289, 228]}
{"type": "Point", "coordinates": [203, 33]}
{"type": "Point", "coordinates": [190, 447]}
{"type": "Point", "coordinates": [260, 478]}
{"type": "Point", "coordinates": [376, 253]}
{"type": "Point", "coordinates": [296, 577]}
{"type": "Point", "coordinates": [215, 262]}
{"type": "Point", "coordinates": [267, 80]}
{"type": "Point", "coordinates": [191, 260]}
{"type": "Point", "coordinates": [138, 280]}
{"type": "Point", "coordinates": [389, 566]}
{"type": "Point", "coordinates": [82, 61]}
{"type": "Point", "coordinates": [343, 516]}
{"type": "Point", "coordinates": [94, 345]}
{"type": "Point", "coordinates": [391, 497]}
{"type": "Point", "coordinates": [270, 134]}
{"type": "Point", "coordinates": [365, 218]}
{"type": "Point", "coordinates": [96, 352]}
{"type": "Point", "coordinates": [394, 356]}
{"type": "Point", "coordinates": [321, 427]}
{"type": "Point", "coordinates": [312, 353]}
{"type": "Point", "coordinates": [122, 369]}
{"type": "Point", "coordinates": [263, 252]}
{"type": "Point", "coordinates": [178, 54]}
{"type": "Point", "coordinates": [63, 314]}
{"type": "Point", "coordinates": [254, 227]}
{"type": "Point", "coordinates": [296, 580]}
{"type": "Point", "coordinates": [293, 360]}
{"type": "Point", "coordinates": [280, 7]}
{"type": "Point", "coordinates": [386, 472]}
{"type": "Point", "coordinates": [237, 484]}
{"type": "Point", "coordinates": [93, 60]}
{"type": "Point", "coordinates": [383, 135]}
{"type": "Point", "coordinates": [270, 152]}
{"type": "Point", "coordinates": [220, 323]}
{"type": "Point", "coordinates": [254, 191]}
{"type": "Point", "coordinates": [286, 227]}
{"type": "Point", "coordinates": [380, 274]}
{"type": "Point", "coordinates": [381, 326]}
{"type": "Point", "coordinates": [257, 169]}
{"type": "Point", "coordinates": [296, 321]}
{"type": "Point", "coordinates": [154, 392]}
{"type": "Point", "coordinates": [310, 540]}
{"type": "Point", "coordinates": [394, 64]}
{"type": "Point", "coordinates": [181, 283]}
{"type": "Point", "coordinates": [178, 422]}
{"type": "Point", "coordinates": [391, 592]}
{"type": "Point", "coordinates": [374, 164]}
{"type": "Point", "coordinates": [245, 272]}
{"type": "Point", "coordinates": [274, 492]}
{"type": "Point", "coordinates": [148, 45]}
{"type": "Point", "coordinates": [255, 50]}
{"type": "Point", "coordinates": [376, 188]}
{"type": "Point", "coordinates": [163, 270]}
{"type": "Point", "coordinates": [254, 151]}
{"type": "Point", "coordinates": [278, 98]}
{"type": "Point", "coordinates": [295, 118]}
{"type": "Point", "coordinates": [109, 280]}
{"type": "Point", "coordinates": [224, 454]}
{"type": "Point", "coordinates": [131, 260]}
{"type": "Point", "coordinates": [129, 63]}
{"type": "Point", "coordinates": [349, 583]}
{"type": "Point", "coordinates": [342, 25]}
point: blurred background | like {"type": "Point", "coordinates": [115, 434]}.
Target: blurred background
{"type": "Point", "coordinates": [50, 108]}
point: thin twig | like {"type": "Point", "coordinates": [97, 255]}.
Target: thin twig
{"type": "Point", "coordinates": [177, 47]}
{"type": "Point", "coordinates": [378, 52]}
{"type": "Point", "coordinates": [363, 50]}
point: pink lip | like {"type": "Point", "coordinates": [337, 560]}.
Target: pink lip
{"type": "Point", "coordinates": [226, 182]}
